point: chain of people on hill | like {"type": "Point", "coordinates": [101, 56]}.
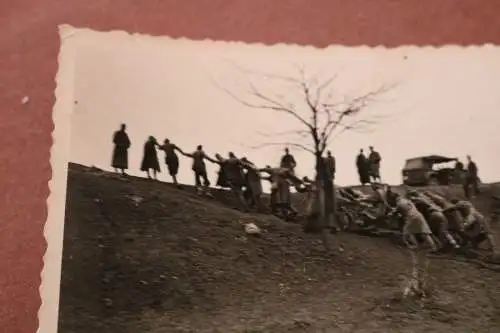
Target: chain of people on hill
{"type": "Point", "coordinates": [425, 214]}
{"type": "Point", "coordinates": [426, 220]}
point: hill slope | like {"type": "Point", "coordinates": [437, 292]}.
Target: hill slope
{"type": "Point", "coordinates": [144, 256]}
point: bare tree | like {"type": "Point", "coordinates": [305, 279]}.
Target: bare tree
{"type": "Point", "coordinates": [319, 119]}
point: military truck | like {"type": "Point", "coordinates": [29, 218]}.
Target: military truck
{"type": "Point", "coordinates": [433, 170]}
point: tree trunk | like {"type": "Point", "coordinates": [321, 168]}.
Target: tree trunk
{"type": "Point", "coordinates": [323, 218]}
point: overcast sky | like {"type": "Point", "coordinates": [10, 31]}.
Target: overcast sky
{"type": "Point", "coordinates": [443, 101]}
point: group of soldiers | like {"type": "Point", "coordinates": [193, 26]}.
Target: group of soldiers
{"type": "Point", "coordinates": [426, 220]}
{"type": "Point", "coordinates": [424, 217]}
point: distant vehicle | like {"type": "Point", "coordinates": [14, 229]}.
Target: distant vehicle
{"type": "Point", "coordinates": [433, 170]}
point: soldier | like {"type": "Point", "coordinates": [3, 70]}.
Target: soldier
{"type": "Point", "coordinates": [200, 169]}
{"type": "Point", "coordinates": [288, 161]}
{"type": "Point", "coordinates": [455, 220]}
{"type": "Point", "coordinates": [253, 183]}
{"type": "Point", "coordinates": [476, 226]}
{"type": "Point", "coordinates": [471, 179]}
{"type": "Point", "coordinates": [374, 160]}
{"type": "Point", "coordinates": [435, 218]}
{"type": "Point", "coordinates": [280, 184]}
{"type": "Point", "coordinates": [417, 237]}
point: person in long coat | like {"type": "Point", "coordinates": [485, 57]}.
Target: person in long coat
{"type": "Point", "coordinates": [222, 180]}
{"type": "Point", "coordinates": [280, 189]}
{"type": "Point", "coordinates": [120, 151]}
{"type": "Point", "coordinates": [171, 158]}
{"type": "Point", "coordinates": [150, 158]}
{"type": "Point", "coordinates": [374, 160]}
{"type": "Point", "coordinates": [331, 167]}
{"type": "Point", "coordinates": [363, 168]}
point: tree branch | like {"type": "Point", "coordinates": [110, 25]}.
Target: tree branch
{"type": "Point", "coordinates": [300, 133]}
{"type": "Point", "coordinates": [311, 106]}
{"type": "Point", "coordinates": [336, 114]}
{"type": "Point", "coordinates": [275, 105]}
{"type": "Point", "coordinates": [283, 144]}
{"type": "Point", "coordinates": [354, 108]}
{"type": "Point", "coordinates": [322, 86]}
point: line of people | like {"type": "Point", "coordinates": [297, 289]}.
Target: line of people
{"type": "Point", "coordinates": [428, 221]}
{"type": "Point", "coordinates": [239, 175]}
{"type": "Point", "coordinates": [244, 178]}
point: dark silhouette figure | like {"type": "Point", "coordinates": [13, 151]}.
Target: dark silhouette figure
{"type": "Point", "coordinates": [288, 161]}
{"type": "Point", "coordinates": [199, 168]}
{"type": "Point", "coordinates": [222, 180]}
{"type": "Point", "coordinates": [231, 170]}
{"type": "Point", "coordinates": [120, 151]}
{"type": "Point", "coordinates": [171, 158]}
{"type": "Point", "coordinates": [150, 158]}
{"type": "Point", "coordinates": [363, 168]}
{"type": "Point", "coordinates": [374, 160]}
{"type": "Point", "coordinates": [471, 179]}
{"type": "Point", "coordinates": [253, 184]}
{"type": "Point", "coordinates": [330, 165]}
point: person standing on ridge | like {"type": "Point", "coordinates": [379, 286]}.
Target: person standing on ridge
{"type": "Point", "coordinates": [200, 170]}
{"type": "Point", "coordinates": [120, 151]}
{"type": "Point", "coordinates": [171, 159]}
{"type": "Point", "coordinates": [150, 158]}
{"type": "Point", "coordinates": [288, 161]}
{"type": "Point", "coordinates": [374, 160]}
{"type": "Point", "coordinates": [330, 165]}
{"type": "Point", "coordinates": [362, 166]}
{"type": "Point", "coordinates": [472, 179]}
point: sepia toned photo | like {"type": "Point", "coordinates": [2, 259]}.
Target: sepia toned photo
{"type": "Point", "coordinates": [209, 186]}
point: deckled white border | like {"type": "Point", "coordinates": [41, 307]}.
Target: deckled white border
{"type": "Point", "coordinates": [147, 38]}
{"type": "Point", "coordinates": [60, 152]}
{"type": "Point", "coordinates": [56, 202]}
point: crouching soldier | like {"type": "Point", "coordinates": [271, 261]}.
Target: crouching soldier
{"type": "Point", "coordinates": [476, 226]}
{"type": "Point", "coordinates": [435, 218]}
{"type": "Point", "coordinates": [417, 237]}
{"type": "Point", "coordinates": [455, 219]}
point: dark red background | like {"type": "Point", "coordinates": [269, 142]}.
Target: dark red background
{"type": "Point", "coordinates": [29, 46]}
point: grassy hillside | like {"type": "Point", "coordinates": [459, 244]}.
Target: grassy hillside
{"type": "Point", "coordinates": [144, 256]}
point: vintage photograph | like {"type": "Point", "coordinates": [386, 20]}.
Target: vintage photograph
{"type": "Point", "coordinates": [227, 187]}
